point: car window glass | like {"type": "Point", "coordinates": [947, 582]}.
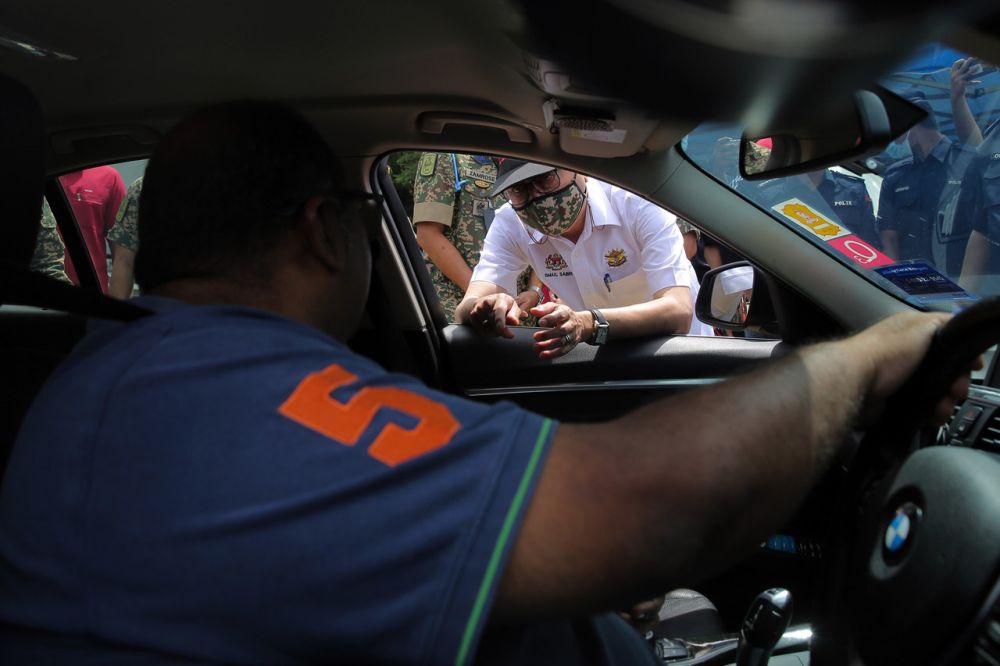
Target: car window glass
{"type": "Point", "coordinates": [922, 218]}
{"type": "Point", "coordinates": [103, 201]}
{"type": "Point", "coordinates": [452, 207]}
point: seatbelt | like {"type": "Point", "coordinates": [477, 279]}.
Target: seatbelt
{"type": "Point", "coordinates": [19, 286]}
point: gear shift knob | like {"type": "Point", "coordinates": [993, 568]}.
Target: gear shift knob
{"type": "Point", "coordinates": [763, 626]}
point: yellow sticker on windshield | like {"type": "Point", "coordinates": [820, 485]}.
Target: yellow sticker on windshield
{"type": "Point", "coordinates": [804, 216]}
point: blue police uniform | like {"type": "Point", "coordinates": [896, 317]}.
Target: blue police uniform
{"type": "Point", "coordinates": [841, 196]}
{"type": "Point", "coordinates": [221, 484]}
{"type": "Point", "coordinates": [981, 194]}
{"type": "Point", "coordinates": [913, 202]}
{"type": "Point", "coordinates": [849, 198]}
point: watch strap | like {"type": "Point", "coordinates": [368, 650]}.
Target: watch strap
{"type": "Point", "coordinates": [601, 327]}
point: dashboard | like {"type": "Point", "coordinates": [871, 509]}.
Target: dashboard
{"type": "Point", "coordinates": [976, 423]}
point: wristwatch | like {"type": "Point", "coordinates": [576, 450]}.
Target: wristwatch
{"type": "Point", "coordinates": [538, 290]}
{"type": "Point", "coordinates": [600, 328]}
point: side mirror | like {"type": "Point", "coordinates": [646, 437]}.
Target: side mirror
{"type": "Point", "coordinates": [734, 297]}
{"type": "Point", "coordinates": [859, 129]}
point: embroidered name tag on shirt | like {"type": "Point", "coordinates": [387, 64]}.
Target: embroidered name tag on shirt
{"type": "Point", "coordinates": [486, 175]}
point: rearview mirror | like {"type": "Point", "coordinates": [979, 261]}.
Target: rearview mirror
{"type": "Point", "coordinates": [860, 129]}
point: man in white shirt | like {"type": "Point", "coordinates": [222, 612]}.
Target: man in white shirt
{"type": "Point", "coordinates": [616, 261]}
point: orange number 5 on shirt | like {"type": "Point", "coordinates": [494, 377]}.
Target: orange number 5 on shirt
{"type": "Point", "coordinates": [312, 406]}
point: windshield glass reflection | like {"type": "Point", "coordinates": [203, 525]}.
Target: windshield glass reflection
{"type": "Point", "coordinates": [922, 218]}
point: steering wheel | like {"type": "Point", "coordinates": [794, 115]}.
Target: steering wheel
{"type": "Point", "coordinates": [914, 564]}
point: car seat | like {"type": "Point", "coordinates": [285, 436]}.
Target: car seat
{"type": "Point", "coordinates": [40, 317]}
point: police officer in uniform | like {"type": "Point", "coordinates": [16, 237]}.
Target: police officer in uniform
{"type": "Point", "coordinates": [451, 210]}
{"type": "Point", "coordinates": [916, 213]}
{"type": "Point", "coordinates": [980, 201]}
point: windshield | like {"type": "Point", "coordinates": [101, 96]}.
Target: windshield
{"type": "Point", "coordinates": [922, 218]}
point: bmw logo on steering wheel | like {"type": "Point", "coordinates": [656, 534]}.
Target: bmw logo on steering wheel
{"type": "Point", "coordinates": [900, 531]}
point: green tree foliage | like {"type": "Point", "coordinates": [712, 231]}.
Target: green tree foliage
{"type": "Point", "coordinates": [403, 169]}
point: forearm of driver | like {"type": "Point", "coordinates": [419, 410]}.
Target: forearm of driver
{"type": "Point", "coordinates": [675, 490]}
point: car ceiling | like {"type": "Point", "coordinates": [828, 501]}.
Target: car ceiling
{"type": "Point", "coordinates": [367, 72]}
{"type": "Point", "coordinates": [364, 71]}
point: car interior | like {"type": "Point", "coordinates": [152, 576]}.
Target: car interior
{"type": "Point", "coordinates": [612, 89]}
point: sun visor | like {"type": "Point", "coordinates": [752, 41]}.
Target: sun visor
{"type": "Point", "coordinates": [759, 62]}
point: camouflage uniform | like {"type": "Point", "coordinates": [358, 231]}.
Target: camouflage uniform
{"type": "Point", "coordinates": [462, 212]}
{"type": "Point", "coordinates": [126, 230]}
{"type": "Point", "coordinates": [50, 252]}
{"type": "Point", "coordinates": [686, 227]}
{"type": "Point", "coordinates": [756, 157]}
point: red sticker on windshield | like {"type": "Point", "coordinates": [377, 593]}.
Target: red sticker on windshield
{"type": "Point", "coordinates": [861, 252]}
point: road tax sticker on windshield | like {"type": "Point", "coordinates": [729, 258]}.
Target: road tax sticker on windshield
{"type": "Point", "coordinates": [807, 218]}
{"type": "Point", "coordinates": [922, 280]}
{"type": "Point", "coordinates": [860, 252]}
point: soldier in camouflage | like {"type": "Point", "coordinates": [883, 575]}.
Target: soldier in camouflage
{"type": "Point", "coordinates": [451, 210]}
{"type": "Point", "coordinates": [691, 234]}
{"type": "Point", "coordinates": [124, 239]}
{"type": "Point", "coordinates": [50, 252]}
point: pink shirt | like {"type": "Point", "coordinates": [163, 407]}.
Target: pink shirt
{"type": "Point", "coordinates": [94, 195]}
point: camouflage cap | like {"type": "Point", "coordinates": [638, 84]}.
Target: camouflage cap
{"type": "Point", "coordinates": [513, 171]}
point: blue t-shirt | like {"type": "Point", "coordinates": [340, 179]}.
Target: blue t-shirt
{"type": "Point", "coordinates": [224, 484]}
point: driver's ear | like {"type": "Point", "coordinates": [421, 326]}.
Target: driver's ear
{"type": "Point", "coordinates": [320, 238]}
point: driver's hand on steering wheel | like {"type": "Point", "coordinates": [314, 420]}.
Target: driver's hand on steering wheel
{"type": "Point", "coordinates": [895, 347]}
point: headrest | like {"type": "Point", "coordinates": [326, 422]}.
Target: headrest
{"type": "Point", "coordinates": [22, 171]}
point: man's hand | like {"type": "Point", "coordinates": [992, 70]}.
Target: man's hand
{"type": "Point", "coordinates": [491, 315]}
{"type": "Point", "coordinates": [565, 329]}
{"type": "Point", "coordinates": [894, 347]}
{"type": "Point", "coordinates": [962, 73]}
{"type": "Point", "coordinates": [661, 493]}
{"type": "Point", "coordinates": [644, 615]}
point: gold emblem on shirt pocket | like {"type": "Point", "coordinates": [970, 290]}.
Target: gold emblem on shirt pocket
{"type": "Point", "coordinates": [615, 258]}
